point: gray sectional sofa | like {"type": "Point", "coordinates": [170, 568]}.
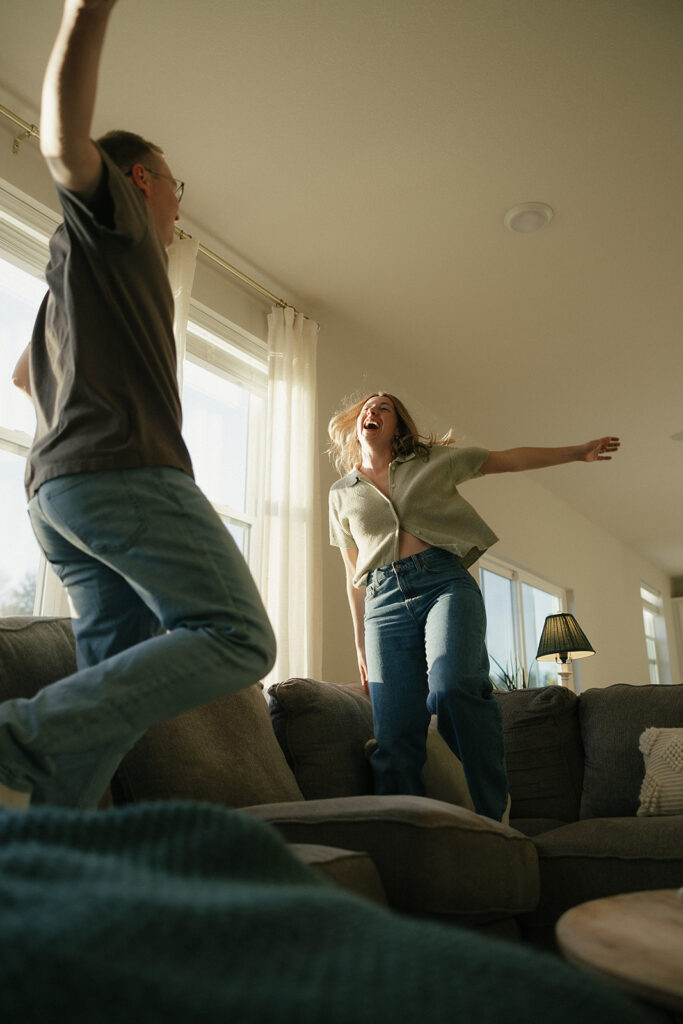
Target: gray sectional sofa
{"type": "Point", "coordinates": [298, 762]}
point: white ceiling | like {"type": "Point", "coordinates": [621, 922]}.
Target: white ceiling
{"type": "Point", "coordinates": [361, 155]}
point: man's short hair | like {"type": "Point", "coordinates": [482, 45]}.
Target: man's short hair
{"type": "Point", "coordinates": [127, 148]}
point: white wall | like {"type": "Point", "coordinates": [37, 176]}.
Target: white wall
{"type": "Point", "coordinates": [27, 169]}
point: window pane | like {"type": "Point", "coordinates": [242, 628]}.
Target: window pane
{"type": "Point", "coordinates": [215, 428]}
{"type": "Point", "coordinates": [497, 592]}
{"type": "Point", "coordinates": [20, 553]}
{"type": "Point", "coordinates": [20, 296]}
{"type": "Point", "coordinates": [649, 622]}
{"type": "Point", "coordinates": [537, 605]}
{"type": "Point", "coordinates": [238, 534]}
{"type": "Point", "coordinates": [655, 637]}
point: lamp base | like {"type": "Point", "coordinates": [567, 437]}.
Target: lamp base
{"type": "Point", "coordinates": [564, 675]}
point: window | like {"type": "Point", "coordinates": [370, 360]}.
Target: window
{"type": "Point", "coordinates": [224, 403]}
{"type": "Point", "coordinates": [24, 232]}
{"type": "Point", "coordinates": [225, 377]}
{"type": "Point", "coordinates": [655, 636]}
{"type": "Point", "coordinates": [517, 603]}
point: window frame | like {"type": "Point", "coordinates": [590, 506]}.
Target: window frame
{"type": "Point", "coordinates": [652, 603]}
{"type": "Point", "coordinates": [214, 342]}
{"type": "Point", "coordinates": [520, 576]}
{"type": "Point", "coordinates": [26, 226]}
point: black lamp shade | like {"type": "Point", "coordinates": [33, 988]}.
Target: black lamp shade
{"type": "Point", "coordinates": [561, 637]}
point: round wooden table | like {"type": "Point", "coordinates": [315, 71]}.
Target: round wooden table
{"type": "Point", "coordinates": [635, 940]}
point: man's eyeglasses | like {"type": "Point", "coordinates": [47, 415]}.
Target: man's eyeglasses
{"type": "Point", "coordinates": [178, 186]}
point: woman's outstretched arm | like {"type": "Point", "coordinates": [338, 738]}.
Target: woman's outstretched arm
{"type": "Point", "coordinates": [513, 460]}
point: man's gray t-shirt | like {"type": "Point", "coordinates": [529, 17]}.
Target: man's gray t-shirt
{"type": "Point", "coordinates": [103, 356]}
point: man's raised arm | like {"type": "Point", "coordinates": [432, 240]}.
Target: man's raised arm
{"type": "Point", "coordinates": [68, 99]}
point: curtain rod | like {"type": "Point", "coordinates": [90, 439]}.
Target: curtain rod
{"type": "Point", "coordinates": [237, 273]}
{"type": "Point", "coordinates": [29, 129]}
{"type": "Point", "coordinates": [32, 131]}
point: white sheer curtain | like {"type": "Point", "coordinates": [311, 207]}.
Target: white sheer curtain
{"type": "Point", "coordinates": [291, 575]}
{"type": "Point", "coordinates": [182, 260]}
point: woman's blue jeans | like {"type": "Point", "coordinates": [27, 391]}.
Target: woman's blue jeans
{"type": "Point", "coordinates": [425, 649]}
{"type": "Point", "coordinates": [166, 617]}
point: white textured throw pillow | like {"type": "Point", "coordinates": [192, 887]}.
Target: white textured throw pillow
{"type": "Point", "coordinates": [662, 788]}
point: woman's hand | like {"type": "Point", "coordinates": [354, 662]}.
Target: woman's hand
{"type": "Point", "coordinates": [363, 669]}
{"type": "Point", "coordinates": [598, 451]}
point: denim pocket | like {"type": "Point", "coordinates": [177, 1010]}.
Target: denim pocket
{"type": "Point", "coordinates": [441, 561]}
{"type": "Point", "coordinates": [98, 509]}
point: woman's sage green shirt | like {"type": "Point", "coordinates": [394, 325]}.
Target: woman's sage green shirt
{"type": "Point", "coordinates": [424, 501]}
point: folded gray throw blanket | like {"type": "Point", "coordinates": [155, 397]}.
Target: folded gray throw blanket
{"type": "Point", "coordinates": [180, 912]}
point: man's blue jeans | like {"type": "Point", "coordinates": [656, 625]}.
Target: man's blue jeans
{"type": "Point", "coordinates": [166, 617]}
{"type": "Point", "coordinates": [425, 649]}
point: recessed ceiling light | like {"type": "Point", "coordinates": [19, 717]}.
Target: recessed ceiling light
{"type": "Point", "coordinates": [528, 217]}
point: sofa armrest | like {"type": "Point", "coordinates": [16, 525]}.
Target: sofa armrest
{"type": "Point", "coordinates": [351, 870]}
{"type": "Point", "coordinates": [434, 859]}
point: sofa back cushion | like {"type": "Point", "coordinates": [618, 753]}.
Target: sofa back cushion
{"type": "Point", "coordinates": [543, 752]}
{"type": "Point", "coordinates": [612, 719]}
{"type": "Point", "coordinates": [325, 731]}
{"type": "Point", "coordinates": [33, 653]}
{"type": "Point", "coordinates": [322, 729]}
{"type": "Point", "coordinates": [224, 752]}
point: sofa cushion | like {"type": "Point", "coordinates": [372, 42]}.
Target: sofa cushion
{"type": "Point", "coordinates": [598, 857]}
{"type": "Point", "coordinates": [443, 775]}
{"type": "Point", "coordinates": [352, 870]}
{"type": "Point", "coordinates": [612, 719]}
{"type": "Point", "coordinates": [224, 752]}
{"type": "Point", "coordinates": [322, 729]}
{"type": "Point", "coordinates": [535, 826]}
{"type": "Point", "coordinates": [543, 752]}
{"type": "Point", "coordinates": [662, 789]}
{"type": "Point", "coordinates": [434, 859]}
{"type": "Point", "coordinates": [325, 731]}
{"type": "Point", "coordinates": [34, 652]}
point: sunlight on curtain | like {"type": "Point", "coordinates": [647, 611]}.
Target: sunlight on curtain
{"type": "Point", "coordinates": [291, 575]}
{"type": "Point", "coordinates": [182, 260]}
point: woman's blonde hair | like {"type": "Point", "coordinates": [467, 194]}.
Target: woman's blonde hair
{"type": "Point", "coordinates": [345, 450]}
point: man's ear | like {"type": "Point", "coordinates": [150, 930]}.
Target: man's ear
{"type": "Point", "coordinates": [140, 178]}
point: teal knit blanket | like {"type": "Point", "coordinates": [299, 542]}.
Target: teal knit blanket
{"type": "Point", "coordinates": [179, 912]}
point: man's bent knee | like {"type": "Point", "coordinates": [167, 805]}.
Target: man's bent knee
{"type": "Point", "coordinates": [256, 645]}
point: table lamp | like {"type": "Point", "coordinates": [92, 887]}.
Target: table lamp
{"type": "Point", "coordinates": [561, 640]}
